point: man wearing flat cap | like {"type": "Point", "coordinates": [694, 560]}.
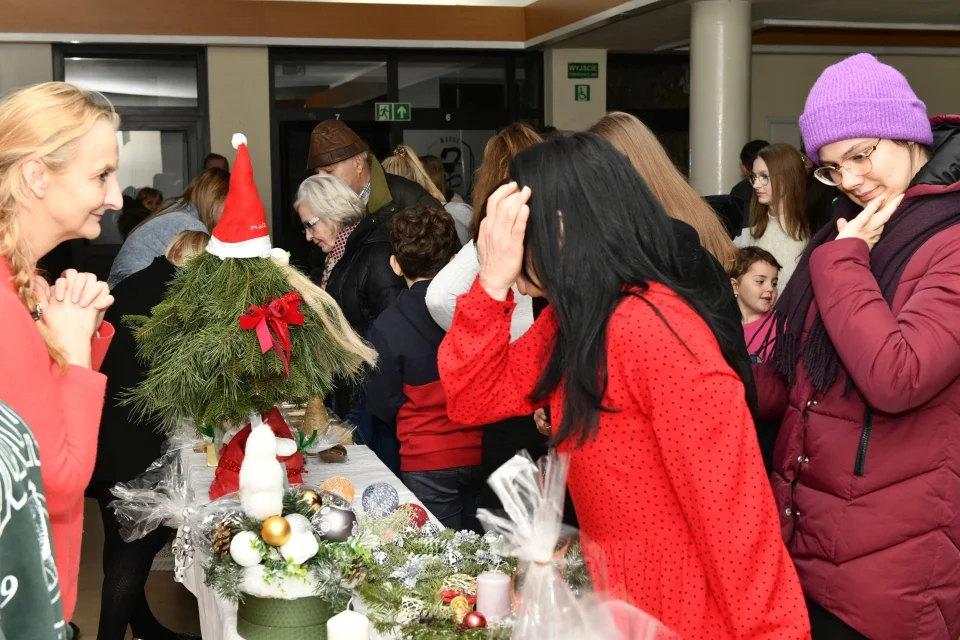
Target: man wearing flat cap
{"type": "Point", "coordinates": [359, 277]}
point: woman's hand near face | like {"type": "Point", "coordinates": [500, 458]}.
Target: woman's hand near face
{"type": "Point", "coordinates": [869, 223]}
{"type": "Point", "coordinates": [500, 243]}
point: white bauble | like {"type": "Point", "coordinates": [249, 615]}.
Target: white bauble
{"type": "Point", "coordinates": [300, 548]}
{"type": "Point", "coordinates": [261, 504]}
{"type": "Point", "coordinates": [242, 550]}
{"type": "Point", "coordinates": [299, 524]}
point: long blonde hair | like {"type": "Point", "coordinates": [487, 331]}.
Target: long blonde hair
{"type": "Point", "coordinates": [186, 245]}
{"type": "Point", "coordinates": [636, 141]}
{"type": "Point", "coordinates": [207, 193]}
{"type": "Point", "coordinates": [405, 163]}
{"type": "Point", "coordinates": [41, 122]}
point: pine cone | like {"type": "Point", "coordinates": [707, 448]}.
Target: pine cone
{"type": "Point", "coordinates": [222, 539]}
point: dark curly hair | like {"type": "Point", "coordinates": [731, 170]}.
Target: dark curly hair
{"type": "Point", "coordinates": [424, 239]}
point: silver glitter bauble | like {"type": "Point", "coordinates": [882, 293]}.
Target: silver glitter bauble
{"type": "Point", "coordinates": [429, 530]}
{"type": "Point", "coordinates": [380, 499]}
{"type": "Point", "coordinates": [453, 558]}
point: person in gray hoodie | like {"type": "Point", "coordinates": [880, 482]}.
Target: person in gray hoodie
{"type": "Point", "coordinates": [196, 209]}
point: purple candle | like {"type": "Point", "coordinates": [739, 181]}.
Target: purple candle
{"type": "Point", "coordinates": [493, 595]}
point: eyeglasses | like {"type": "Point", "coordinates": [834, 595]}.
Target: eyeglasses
{"type": "Point", "coordinates": [309, 224]}
{"type": "Point", "coordinates": [762, 178]}
{"type": "Point", "coordinates": [857, 165]}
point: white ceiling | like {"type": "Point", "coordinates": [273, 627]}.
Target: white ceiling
{"type": "Point", "coordinates": [668, 22]}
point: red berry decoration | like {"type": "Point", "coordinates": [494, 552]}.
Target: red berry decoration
{"type": "Point", "coordinates": [418, 515]}
{"type": "Point", "coordinates": [474, 620]}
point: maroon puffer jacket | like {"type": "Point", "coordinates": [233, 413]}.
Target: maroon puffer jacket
{"type": "Point", "coordinates": [871, 512]}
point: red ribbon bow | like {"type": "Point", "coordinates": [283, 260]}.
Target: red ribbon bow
{"type": "Point", "coordinates": [272, 321]}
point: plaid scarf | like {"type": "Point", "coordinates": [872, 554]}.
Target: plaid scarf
{"type": "Point", "coordinates": [339, 247]}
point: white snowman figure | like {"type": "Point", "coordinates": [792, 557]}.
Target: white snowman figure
{"type": "Point", "coordinates": [262, 476]}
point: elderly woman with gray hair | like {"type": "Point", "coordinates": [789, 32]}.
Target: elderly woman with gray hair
{"type": "Point", "coordinates": [357, 272]}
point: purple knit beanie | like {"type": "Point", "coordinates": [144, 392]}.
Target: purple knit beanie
{"type": "Point", "coordinates": [860, 97]}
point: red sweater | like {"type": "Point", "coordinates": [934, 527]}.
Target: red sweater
{"type": "Point", "coordinates": [63, 411]}
{"type": "Point", "coordinates": [672, 488]}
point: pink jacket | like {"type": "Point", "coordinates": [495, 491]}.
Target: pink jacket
{"type": "Point", "coordinates": [63, 411]}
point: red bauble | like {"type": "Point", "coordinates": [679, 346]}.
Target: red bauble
{"type": "Point", "coordinates": [474, 620]}
{"type": "Point", "coordinates": [418, 515]}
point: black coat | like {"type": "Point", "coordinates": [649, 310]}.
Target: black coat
{"type": "Point", "coordinates": [126, 447]}
{"type": "Point", "coordinates": [362, 282]}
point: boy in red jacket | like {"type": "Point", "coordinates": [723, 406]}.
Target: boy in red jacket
{"type": "Point", "coordinates": [439, 458]}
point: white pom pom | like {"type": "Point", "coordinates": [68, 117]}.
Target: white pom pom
{"type": "Point", "coordinates": [281, 256]}
{"type": "Point", "coordinates": [238, 139]}
{"type": "Point", "coordinates": [242, 550]}
{"type": "Point", "coordinates": [300, 548]}
{"type": "Point", "coordinates": [261, 444]}
{"type": "Point", "coordinates": [286, 447]}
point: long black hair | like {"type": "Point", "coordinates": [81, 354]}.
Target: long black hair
{"type": "Point", "coordinates": [611, 232]}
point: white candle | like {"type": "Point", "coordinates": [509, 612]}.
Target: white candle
{"type": "Point", "coordinates": [348, 625]}
{"type": "Point", "coordinates": [493, 595]}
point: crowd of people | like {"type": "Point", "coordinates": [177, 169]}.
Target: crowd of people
{"type": "Point", "coordinates": [759, 392]}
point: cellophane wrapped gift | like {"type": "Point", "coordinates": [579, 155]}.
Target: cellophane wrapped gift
{"type": "Point", "coordinates": [159, 495]}
{"type": "Point", "coordinates": [548, 608]}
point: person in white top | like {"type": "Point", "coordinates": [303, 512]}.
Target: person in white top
{"type": "Point", "coordinates": [778, 212]}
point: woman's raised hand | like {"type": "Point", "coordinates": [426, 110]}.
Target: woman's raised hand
{"type": "Point", "coordinates": [500, 243]}
{"type": "Point", "coordinates": [869, 223]}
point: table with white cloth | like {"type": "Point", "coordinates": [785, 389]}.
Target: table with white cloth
{"type": "Point", "coordinates": [218, 618]}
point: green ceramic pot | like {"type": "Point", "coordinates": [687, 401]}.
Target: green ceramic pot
{"type": "Point", "coordinates": [271, 619]}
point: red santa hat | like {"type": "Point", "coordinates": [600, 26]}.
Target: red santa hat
{"type": "Point", "coordinates": [242, 230]}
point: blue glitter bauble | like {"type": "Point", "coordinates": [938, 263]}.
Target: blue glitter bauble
{"type": "Point", "coordinates": [380, 499]}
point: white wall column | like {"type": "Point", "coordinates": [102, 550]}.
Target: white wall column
{"type": "Point", "coordinates": [720, 52]}
{"type": "Point", "coordinates": [572, 103]}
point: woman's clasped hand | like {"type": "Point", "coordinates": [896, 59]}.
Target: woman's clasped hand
{"type": "Point", "coordinates": [73, 310]}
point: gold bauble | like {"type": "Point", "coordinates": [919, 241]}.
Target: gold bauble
{"type": "Point", "coordinates": [276, 531]}
{"type": "Point", "coordinates": [310, 497]}
{"type": "Point", "coordinates": [315, 506]}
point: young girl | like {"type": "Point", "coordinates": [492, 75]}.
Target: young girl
{"type": "Point", "coordinates": [778, 212]}
{"type": "Point", "coordinates": [755, 276]}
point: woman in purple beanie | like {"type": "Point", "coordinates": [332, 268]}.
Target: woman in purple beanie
{"type": "Point", "coordinates": [866, 371]}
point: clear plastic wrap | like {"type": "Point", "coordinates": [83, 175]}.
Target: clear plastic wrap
{"type": "Point", "coordinates": [548, 608]}
{"type": "Point", "coordinates": [159, 495]}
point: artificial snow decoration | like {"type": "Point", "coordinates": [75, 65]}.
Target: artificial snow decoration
{"type": "Point", "coordinates": [237, 140]}
{"type": "Point", "coordinates": [242, 549]}
{"type": "Point", "coordinates": [301, 547]}
{"type": "Point", "coordinates": [261, 475]}
{"type": "Point", "coordinates": [256, 583]}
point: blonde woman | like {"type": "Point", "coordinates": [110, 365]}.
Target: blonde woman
{"type": "Point", "coordinates": [58, 161]}
{"type": "Point", "coordinates": [127, 447]}
{"type": "Point", "coordinates": [196, 209]}
{"type": "Point", "coordinates": [405, 163]}
{"type": "Point", "coordinates": [636, 141]}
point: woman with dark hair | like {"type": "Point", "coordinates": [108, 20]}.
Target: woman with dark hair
{"type": "Point", "coordinates": [643, 378]}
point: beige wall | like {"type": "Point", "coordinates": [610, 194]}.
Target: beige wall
{"type": "Point", "coordinates": [781, 83]}
{"type": "Point", "coordinates": [560, 106]}
{"type": "Point", "coordinates": [23, 64]}
{"type": "Point", "coordinates": [239, 80]}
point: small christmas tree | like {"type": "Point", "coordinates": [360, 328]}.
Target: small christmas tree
{"type": "Point", "coordinates": [240, 330]}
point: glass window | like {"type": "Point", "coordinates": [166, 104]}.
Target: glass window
{"type": "Point", "coordinates": [330, 85]}
{"type": "Point", "coordinates": [528, 81]}
{"type": "Point", "coordinates": [460, 151]}
{"type": "Point", "coordinates": [475, 84]}
{"type": "Point", "coordinates": [129, 82]}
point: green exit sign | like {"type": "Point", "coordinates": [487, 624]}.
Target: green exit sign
{"type": "Point", "coordinates": [393, 111]}
{"type": "Point", "coordinates": [583, 69]}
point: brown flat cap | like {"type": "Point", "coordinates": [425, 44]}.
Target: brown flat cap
{"type": "Point", "coordinates": [332, 141]}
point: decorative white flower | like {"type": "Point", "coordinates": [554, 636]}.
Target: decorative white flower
{"type": "Point", "coordinates": [411, 572]}
{"type": "Point", "coordinates": [280, 255]}
{"type": "Point", "coordinates": [466, 537]}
